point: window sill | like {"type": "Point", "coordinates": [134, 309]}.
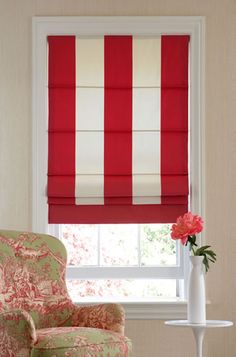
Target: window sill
{"type": "Point", "coordinates": [156, 310]}
{"type": "Point", "coordinates": [153, 309]}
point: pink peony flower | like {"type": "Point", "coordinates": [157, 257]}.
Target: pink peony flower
{"type": "Point", "coordinates": [186, 225]}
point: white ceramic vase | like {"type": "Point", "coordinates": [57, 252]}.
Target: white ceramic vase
{"type": "Point", "coordinates": [196, 292]}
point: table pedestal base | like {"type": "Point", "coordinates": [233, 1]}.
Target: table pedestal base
{"type": "Point", "coordinates": [199, 334]}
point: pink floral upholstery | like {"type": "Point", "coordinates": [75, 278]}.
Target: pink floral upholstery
{"type": "Point", "coordinates": [36, 310]}
{"type": "Point", "coordinates": [67, 341]}
{"type": "Point", "coordinates": [17, 334]}
{"type": "Point", "coordinates": [104, 316]}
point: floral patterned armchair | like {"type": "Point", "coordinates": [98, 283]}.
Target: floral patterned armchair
{"type": "Point", "coordinates": [38, 318]}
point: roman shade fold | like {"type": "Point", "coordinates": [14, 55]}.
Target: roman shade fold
{"type": "Point", "coordinates": [117, 129]}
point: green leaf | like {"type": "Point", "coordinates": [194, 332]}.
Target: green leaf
{"type": "Point", "coordinates": [201, 250]}
{"type": "Point", "coordinates": [208, 254]}
{"type": "Point", "coordinates": [206, 263]}
{"type": "Point", "coordinates": [211, 254]}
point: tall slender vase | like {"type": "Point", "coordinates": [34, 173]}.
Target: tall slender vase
{"type": "Point", "coordinates": [196, 292]}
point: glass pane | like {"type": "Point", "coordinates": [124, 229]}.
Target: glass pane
{"type": "Point", "coordinates": [81, 241]}
{"type": "Point", "coordinates": [118, 245]}
{"type": "Point", "coordinates": [157, 247]}
{"type": "Point", "coordinates": [123, 290]}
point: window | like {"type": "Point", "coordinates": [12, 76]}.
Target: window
{"type": "Point", "coordinates": [125, 262]}
{"type": "Point", "coordinates": [137, 263]}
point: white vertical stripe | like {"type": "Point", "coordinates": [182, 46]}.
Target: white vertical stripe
{"type": "Point", "coordinates": [90, 62]}
{"type": "Point", "coordinates": [146, 152]}
{"type": "Point", "coordinates": [146, 121]}
{"type": "Point", "coordinates": [89, 189]}
{"type": "Point", "coordinates": [90, 109]}
{"type": "Point", "coordinates": [149, 200]}
{"type": "Point", "coordinates": [146, 62]}
{"type": "Point", "coordinates": [89, 153]}
{"type": "Point", "coordinates": [89, 186]}
{"type": "Point", "coordinates": [147, 188]}
{"type": "Point", "coordinates": [146, 109]}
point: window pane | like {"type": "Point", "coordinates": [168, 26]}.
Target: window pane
{"type": "Point", "coordinates": [157, 247]}
{"type": "Point", "coordinates": [81, 241]}
{"type": "Point", "coordinates": [125, 290]}
{"type": "Point", "coordinates": [118, 244]}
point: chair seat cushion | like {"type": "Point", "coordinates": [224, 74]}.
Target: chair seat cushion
{"type": "Point", "coordinates": [80, 342]}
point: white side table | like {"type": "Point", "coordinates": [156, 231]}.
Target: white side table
{"type": "Point", "coordinates": [199, 330]}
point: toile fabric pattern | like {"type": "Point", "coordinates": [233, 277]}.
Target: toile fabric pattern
{"type": "Point", "coordinates": [37, 316]}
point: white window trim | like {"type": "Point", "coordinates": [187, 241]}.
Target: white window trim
{"type": "Point", "coordinates": [153, 25]}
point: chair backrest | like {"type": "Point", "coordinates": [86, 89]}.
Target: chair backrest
{"type": "Point", "coordinates": [32, 277]}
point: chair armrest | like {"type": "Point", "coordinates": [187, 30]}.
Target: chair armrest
{"type": "Point", "coordinates": [103, 316]}
{"type": "Point", "coordinates": [17, 333]}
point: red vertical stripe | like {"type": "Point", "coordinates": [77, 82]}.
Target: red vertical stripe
{"type": "Point", "coordinates": [118, 119]}
{"type": "Point", "coordinates": [174, 111]}
{"type": "Point", "coordinates": [61, 141]}
{"type": "Point", "coordinates": [174, 61]}
{"type": "Point", "coordinates": [61, 61]}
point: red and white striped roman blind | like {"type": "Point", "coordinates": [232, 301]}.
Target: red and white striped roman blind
{"type": "Point", "coordinates": [118, 129]}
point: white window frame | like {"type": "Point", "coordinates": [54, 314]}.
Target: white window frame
{"type": "Point", "coordinates": [88, 26]}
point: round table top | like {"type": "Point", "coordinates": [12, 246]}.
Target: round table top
{"type": "Point", "coordinates": [208, 324]}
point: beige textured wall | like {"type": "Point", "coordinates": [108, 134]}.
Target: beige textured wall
{"type": "Point", "coordinates": [150, 338]}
